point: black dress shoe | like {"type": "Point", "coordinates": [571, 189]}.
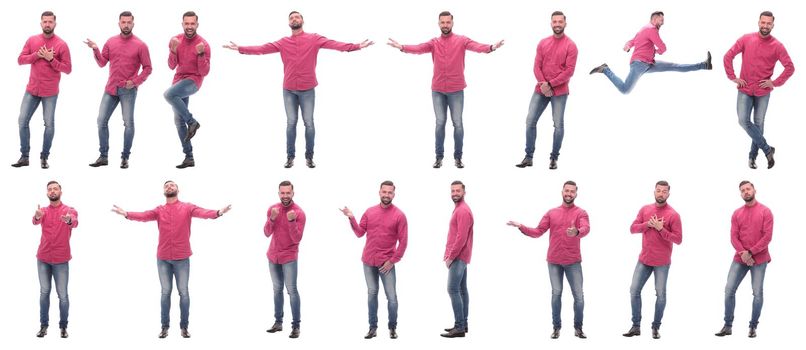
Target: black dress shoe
{"type": "Point", "coordinates": [44, 163]}
{"type": "Point", "coordinates": [101, 161]}
{"type": "Point", "coordinates": [371, 334]}
{"type": "Point", "coordinates": [124, 163]}
{"type": "Point", "coordinates": [555, 334]}
{"type": "Point", "coordinates": [392, 334]}
{"type": "Point", "coordinates": [64, 332]}
{"type": "Point", "coordinates": [294, 333]}
{"type": "Point", "coordinates": [579, 333]}
{"type": "Point", "coordinates": [752, 333]}
{"type": "Point", "coordinates": [192, 127]}
{"type": "Point", "coordinates": [725, 331]}
{"type": "Point", "coordinates": [187, 163]}
{"type": "Point", "coordinates": [553, 164]}
{"type": "Point", "coordinates": [752, 163]}
{"type": "Point", "coordinates": [23, 161]}
{"type": "Point", "coordinates": [770, 159]}
{"type": "Point", "coordinates": [467, 329]}
{"type": "Point", "coordinates": [458, 163]}
{"type": "Point", "coordinates": [708, 64]}
{"type": "Point", "coordinates": [289, 162]}
{"type": "Point", "coordinates": [185, 333]}
{"type": "Point", "coordinates": [276, 327]}
{"type": "Point", "coordinates": [309, 162]}
{"type": "Point", "coordinates": [524, 163]}
{"type": "Point", "coordinates": [634, 331]}
{"type": "Point", "coordinates": [599, 69]}
{"type": "Point", "coordinates": [655, 333]}
{"type": "Point", "coordinates": [43, 331]}
{"type": "Point", "coordinates": [438, 163]}
{"type": "Point", "coordinates": [163, 333]}
{"type": "Point", "coordinates": [454, 333]}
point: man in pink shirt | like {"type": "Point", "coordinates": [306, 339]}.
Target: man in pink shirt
{"type": "Point", "coordinates": [49, 57]}
{"type": "Point", "coordinates": [58, 221]}
{"type": "Point", "coordinates": [173, 250]}
{"type": "Point", "coordinates": [299, 52]}
{"type": "Point", "coordinates": [190, 55]}
{"type": "Point", "coordinates": [125, 53]}
{"type": "Point", "coordinates": [447, 86]}
{"type": "Point", "coordinates": [660, 227]}
{"type": "Point", "coordinates": [647, 43]}
{"type": "Point", "coordinates": [750, 235]}
{"type": "Point", "coordinates": [387, 234]}
{"type": "Point", "coordinates": [458, 250]}
{"type": "Point", "coordinates": [760, 51]}
{"type": "Point", "coordinates": [285, 222]}
{"type": "Point", "coordinates": [567, 225]}
{"type": "Point", "coordinates": [555, 61]}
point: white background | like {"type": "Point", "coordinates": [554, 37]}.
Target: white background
{"type": "Point", "coordinates": [375, 122]}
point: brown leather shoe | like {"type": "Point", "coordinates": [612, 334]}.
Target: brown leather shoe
{"type": "Point", "coordinates": [163, 333]}
{"type": "Point", "coordinates": [276, 327]}
{"type": "Point", "coordinates": [43, 331]}
{"type": "Point", "coordinates": [185, 333]}
{"type": "Point", "coordinates": [294, 333]}
{"type": "Point", "coordinates": [371, 334]}
{"type": "Point", "coordinates": [727, 330]}
{"type": "Point", "coordinates": [187, 163]}
{"type": "Point", "coordinates": [579, 333]}
{"type": "Point", "coordinates": [23, 161]}
{"type": "Point", "coordinates": [454, 333]}
{"type": "Point", "coordinates": [634, 331]}
{"type": "Point", "coordinates": [101, 161]}
{"type": "Point", "coordinates": [64, 332]}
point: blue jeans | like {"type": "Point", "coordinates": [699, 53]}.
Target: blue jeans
{"type": "Point", "coordinates": [573, 273]}
{"type": "Point", "coordinates": [754, 128]}
{"type": "Point", "coordinates": [638, 68]}
{"type": "Point", "coordinates": [457, 290]}
{"type": "Point", "coordinates": [442, 102]}
{"type": "Point", "coordinates": [60, 274]}
{"type": "Point", "coordinates": [296, 101]}
{"type": "Point", "coordinates": [735, 277]}
{"type": "Point", "coordinates": [168, 270]}
{"type": "Point", "coordinates": [178, 96]}
{"type": "Point", "coordinates": [285, 274]}
{"type": "Point", "coordinates": [536, 107]}
{"type": "Point", "coordinates": [29, 105]}
{"type": "Point", "coordinates": [639, 278]}
{"type": "Point", "coordinates": [126, 98]}
{"type": "Point", "coordinates": [371, 274]}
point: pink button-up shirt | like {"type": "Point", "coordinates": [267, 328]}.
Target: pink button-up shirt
{"type": "Point", "coordinates": [173, 222]}
{"type": "Point", "coordinates": [751, 229]}
{"type": "Point", "coordinates": [563, 249]}
{"type": "Point", "coordinates": [188, 63]}
{"type": "Point", "coordinates": [54, 246]}
{"type": "Point", "coordinates": [125, 54]}
{"type": "Point", "coordinates": [299, 52]}
{"type": "Point", "coordinates": [647, 42]}
{"type": "Point", "coordinates": [555, 61]}
{"type": "Point", "coordinates": [656, 246]}
{"type": "Point", "coordinates": [45, 76]}
{"type": "Point", "coordinates": [460, 234]}
{"type": "Point", "coordinates": [284, 245]}
{"type": "Point", "coordinates": [448, 54]}
{"type": "Point", "coordinates": [387, 234]}
{"type": "Point", "coordinates": [759, 56]}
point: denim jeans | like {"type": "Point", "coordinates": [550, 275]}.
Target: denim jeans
{"type": "Point", "coordinates": [285, 274]}
{"type": "Point", "coordinates": [178, 96]}
{"type": "Point", "coordinates": [454, 101]}
{"type": "Point", "coordinates": [29, 105]}
{"type": "Point", "coordinates": [457, 290]}
{"type": "Point", "coordinates": [638, 68]}
{"type": "Point", "coordinates": [573, 273]}
{"type": "Point", "coordinates": [372, 274]}
{"type": "Point", "coordinates": [639, 278]}
{"type": "Point", "coordinates": [296, 101]}
{"type": "Point", "coordinates": [126, 98]}
{"type": "Point", "coordinates": [536, 107]}
{"type": "Point", "coordinates": [168, 270]}
{"type": "Point", "coordinates": [60, 274]}
{"type": "Point", "coordinates": [755, 127]}
{"type": "Point", "coordinates": [735, 277]}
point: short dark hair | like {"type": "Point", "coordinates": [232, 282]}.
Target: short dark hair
{"type": "Point", "coordinates": [655, 14]}
{"type": "Point", "coordinates": [190, 14]}
{"type": "Point", "coordinates": [388, 183]}
{"type": "Point", "coordinates": [768, 14]}
{"type": "Point", "coordinates": [51, 182]}
{"type": "Point", "coordinates": [745, 182]}
{"type": "Point", "coordinates": [48, 14]}
{"type": "Point", "coordinates": [445, 13]}
{"type": "Point", "coordinates": [457, 182]}
{"type": "Point", "coordinates": [572, 183]}
{"type": "Point", "coordinates": [166, 182]}
{"type": "Point", "coordinates": [126, 14]}
{"type": "Point", "coordinates": [286, 183]}
{"type": "Point", "coordinates": [663, 183]}
{"type": "Point", "coordinates": [297, 12]}
{"type": "Point", "coordinates": [558, 13]}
